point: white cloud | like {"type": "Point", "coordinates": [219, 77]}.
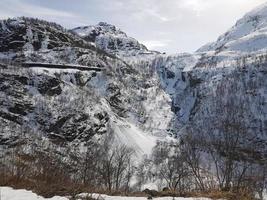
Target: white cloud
{"type": "Point", "coordinates": [195, 5]}
{"type": "Point", "coordinates": [152, 44]}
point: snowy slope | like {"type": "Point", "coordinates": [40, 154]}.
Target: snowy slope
{"type": "Point", "coordinates": [135, 138]}
{"type": "Point", "coordinates": [248, 35]}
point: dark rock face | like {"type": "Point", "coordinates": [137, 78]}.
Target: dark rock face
{"type": "Point", "coordinates": [20, 109]}
{"type": "Point", "coordinates": [115, 98]}
{"type": "Point", "coordinates": [12, 41]}
{"type": "Point", "coordinates": [170, 74]}
{"type": "Point", "coordinates": [34, 101]}
{"type": "Point", "coordinates": [13, 97]}
{"type": "Point", "coordinates": [10, 142]}
{"type": "Point", "coordinates": [50, 86]}
{"type": "Point", "coordinates": [75, 126]}
{"type": "Point", "coordinates": [11, 117]}
{"type": "Point", "coordinates": [193, 80]}
{"type": "Point", "coordinates": [27, 33]}
{"type": "Point", "coordinates": [72, 127]}
{"type": "Point", "coordinates": [175, 108]}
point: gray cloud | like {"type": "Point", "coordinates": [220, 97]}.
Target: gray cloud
{"type": "Point", "coordinates": [15, 8]}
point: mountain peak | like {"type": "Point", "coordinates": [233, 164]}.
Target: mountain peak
{"type": "Point", "coordinates": [249, 34]}
{"type": "Point", "coordinates": [111, 39]}
{"type": "Point", "coordinates": [105, 24]}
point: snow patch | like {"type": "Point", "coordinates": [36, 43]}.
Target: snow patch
{"type": "Point", "coordinates": [7, 193]}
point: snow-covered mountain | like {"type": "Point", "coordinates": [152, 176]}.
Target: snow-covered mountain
{"type": "Point", "coordinates": [69, 107]}
{"type": "Point", "coordinates": [139, 96]}
{"type": "Point", "coordinates": [112, 40]}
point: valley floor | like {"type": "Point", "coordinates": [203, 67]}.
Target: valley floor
{"type": "Point", "coordinates": [7, 193]}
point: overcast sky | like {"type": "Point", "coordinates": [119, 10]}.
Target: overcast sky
{"type": "Point", "coordinates": [166, 25]}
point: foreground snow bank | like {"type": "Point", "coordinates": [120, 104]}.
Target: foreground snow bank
{"type": "Point", "coordinates": [7, 193]}
{"type": "Point", "coordinates": [106, 197]}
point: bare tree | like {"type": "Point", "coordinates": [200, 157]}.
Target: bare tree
{"type": "Point", "coordinates": [171, 166]}
{"type": "Point", "coordinates": [193, 157]}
